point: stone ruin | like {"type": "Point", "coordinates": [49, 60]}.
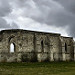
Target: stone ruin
{"type": "Point", "coordinates": [18, 45]}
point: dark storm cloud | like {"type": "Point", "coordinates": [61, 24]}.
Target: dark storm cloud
{"type": "Point", "coordinates": [69, 6]}
{"type": "Point", "coordinates": [5, 9]}
{"type": "Point", "coordinates": [60, 13]}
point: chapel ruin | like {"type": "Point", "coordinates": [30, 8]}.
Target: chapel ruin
{"type": "Point", "coordinates": [18, 45]}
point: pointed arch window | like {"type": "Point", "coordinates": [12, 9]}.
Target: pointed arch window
{"type": "Point", "coordinates": [42, 46]}
{"type": "Point", "coordinates": [65, 47]}
{"type": "Point", "coordinates": [12, 48]}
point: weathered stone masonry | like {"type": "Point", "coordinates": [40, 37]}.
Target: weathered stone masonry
{"type": "Point", "coordinates": [35, 46]}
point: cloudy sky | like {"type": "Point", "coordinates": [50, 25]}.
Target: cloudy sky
{"type": "Point", "coordinates": [56, 16]}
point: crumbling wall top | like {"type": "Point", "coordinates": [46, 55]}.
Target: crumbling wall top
{"type": "Point", "coordinates": [21, 30]}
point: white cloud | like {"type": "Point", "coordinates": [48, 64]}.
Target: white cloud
{"type": "Point", "coordinates": [43, 15]}
{"type": "Point", "coordinates": [5, 9]}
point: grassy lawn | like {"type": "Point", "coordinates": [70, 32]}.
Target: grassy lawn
{"type": "Point", "coordinates": [46, 68]}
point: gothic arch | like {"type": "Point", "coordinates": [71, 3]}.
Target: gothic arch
{"type": "Point", "coordinates": [65, 47]}
{"type": "Point", "coordinates": [12, 47]}
{"type": "Point", "coordinates": [10, 38]}
{"type": "Point", "coordinates": [42, 46]}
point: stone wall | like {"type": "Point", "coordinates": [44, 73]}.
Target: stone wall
{"type": "Point", "coordinates": [67, 48]}
{"type": "Point", "coordinates": [35, 46]}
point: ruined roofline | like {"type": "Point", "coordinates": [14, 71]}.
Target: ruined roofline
{"type": "Point", "coordinates": [67, 37]}
{"type": "Point", "coordinates": [11, 30]}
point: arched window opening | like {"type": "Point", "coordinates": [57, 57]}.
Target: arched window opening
{"type": "Point", "coordinates": [65, 47]}
{"type": "Point", "coordinates": [12, 48]}
{"type": "Point", "coordinates": [42, 46]}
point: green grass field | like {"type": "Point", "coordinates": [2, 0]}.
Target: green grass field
{"type": "Point", "coordinates": [46, 68]}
